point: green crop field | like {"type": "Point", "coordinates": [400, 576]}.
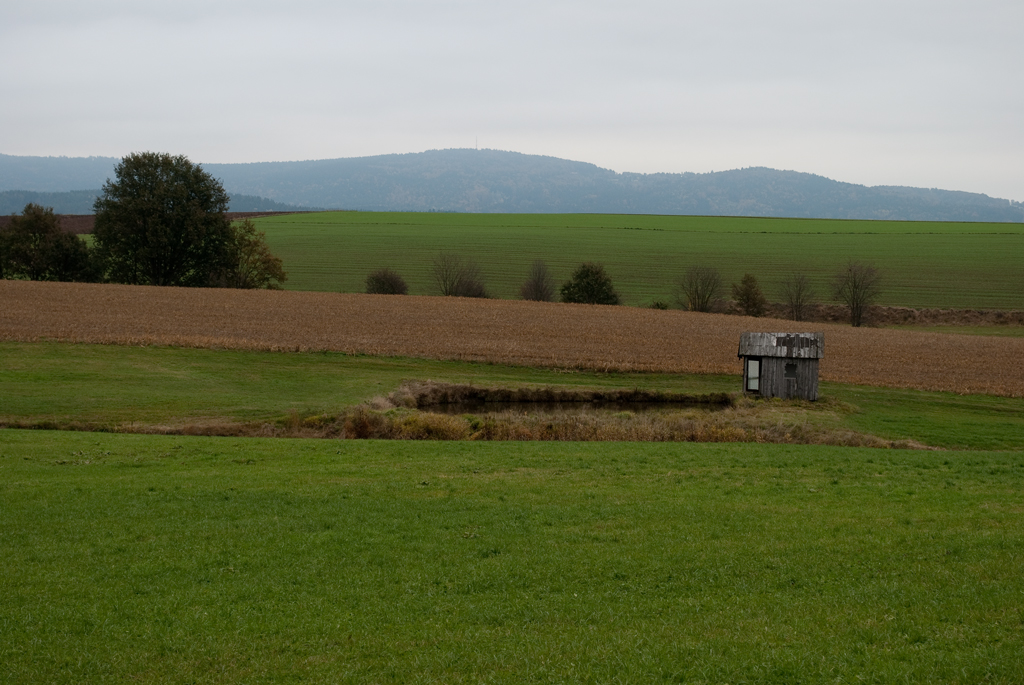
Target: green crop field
{"type": "Point", "coordinates": [924, 264]}
{"type": "Point", "coordinates": [127, 558]}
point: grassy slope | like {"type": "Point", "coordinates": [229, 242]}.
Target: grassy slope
{"type": "Point", "coordinates": [925, 264]}
{"type": "Point", "coordinates": [111, 385]}
{"type": "Point", "coordinates": [171, 559]}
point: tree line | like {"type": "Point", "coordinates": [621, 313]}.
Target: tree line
{"type": "Point", "coordinates": [857, 285]}
{"type": "Point", "coordinates": [161, 221]}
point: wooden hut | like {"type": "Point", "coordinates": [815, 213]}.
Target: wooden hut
{"type": "Point", "coordinates": [781, 364]}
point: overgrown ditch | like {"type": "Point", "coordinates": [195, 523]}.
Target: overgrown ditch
{"type": "Point", "coordinates": [425, 410]}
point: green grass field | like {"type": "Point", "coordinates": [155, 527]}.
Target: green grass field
{"type": "Point", "coordinates": [140, 558]}
{"type": "Point", "coordinates": [128, 558]}
{"type": "Point", "coordinates": [137, 558]}
{"type": "Point", "coordinates": [105, 386]}
{"type": "Point", "coordinates": [924, 264]}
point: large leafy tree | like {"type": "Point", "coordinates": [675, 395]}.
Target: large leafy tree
{"type": "Point", "coordinates": [33, 246]}
{"type": "Point", "coordinates": [163, 222]}
{"type": "Point", "coordinates": [250, 263]}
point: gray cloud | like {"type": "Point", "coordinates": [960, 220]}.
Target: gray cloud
{"type": "Point", "coordinates": [912, 93]}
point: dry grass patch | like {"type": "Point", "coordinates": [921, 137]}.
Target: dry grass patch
{"type": "Point", "coordinates": [739, 420]}
{"type": "Point", "coordinates": [421, 410]}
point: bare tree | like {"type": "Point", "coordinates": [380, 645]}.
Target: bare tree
{"type": "Point", "coordinates": [699, 288]}
{"type": "Point", "coordinates": [447, 266]}
{"type": "Point", "coordinates": [857, 286]}
{"type": "Point", "coordinates": [458, 278]}
{"type": "Point", "coordinates": [797, 295]}
{"type": "Point", "coordinates": [538, 286]}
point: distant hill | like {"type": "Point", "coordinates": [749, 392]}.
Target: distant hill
{"type": "Point", "coordinates": [497, 181]}
{"type": "Point", "coordinates": [81, 201]}
{"type": "Point", "coordinates": [70, 202]}
{"type": "Point", "coordinates": [54, 174]}
{"type": "Point", "coordinates": [255, 203]}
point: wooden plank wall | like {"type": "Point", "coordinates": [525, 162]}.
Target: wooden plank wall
{"type": "Point", "coordinates": [775, 384]}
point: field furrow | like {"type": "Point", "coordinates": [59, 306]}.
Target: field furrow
{"type": "Point", "coordinates": [501, 331]}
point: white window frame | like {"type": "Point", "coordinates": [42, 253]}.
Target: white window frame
{"type": "Point", "coordinates": [753, 383]}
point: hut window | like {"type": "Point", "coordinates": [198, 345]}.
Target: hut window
{"type": "Point", "coordinates": [753, 373]}
{"type": "Point", "coordinates": [790, 370]}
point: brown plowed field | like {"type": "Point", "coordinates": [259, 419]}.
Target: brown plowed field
{"type": "Point", "coordinates": [525, 333]}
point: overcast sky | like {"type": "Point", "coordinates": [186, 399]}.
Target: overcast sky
{"type": "Point", "coordinates": [922, 93]}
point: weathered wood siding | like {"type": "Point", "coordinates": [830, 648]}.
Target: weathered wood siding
{"type": "Point", "coordinates": [793, 345]}
{"type": "Point", "coordinates": [775, 352]}
{"type": "Point", "coordinates": [802, 384]}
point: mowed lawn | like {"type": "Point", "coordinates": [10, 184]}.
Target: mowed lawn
{"type": "Point", "coordinates": [127, 558]}
{"type": "Point", "coordinates": [923, 264]}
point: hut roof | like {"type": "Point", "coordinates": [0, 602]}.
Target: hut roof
{"type": "Point", "coordinates": [792, 345]}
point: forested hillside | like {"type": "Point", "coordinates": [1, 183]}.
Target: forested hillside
{"type": "Point", "coordinates": [497, 181]}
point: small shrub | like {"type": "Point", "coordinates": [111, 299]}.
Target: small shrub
{"type": "Point", "coordinates": [749, 297]}
{"type": "Point", "coordinates": [589, 284]}
{"type": "Point", "coordinates": [538, 286]}
{"type": "Point", "coordinates": [471, 286]}
{"type": "Point", "coordinates": [386, 282]}
{"type": "Point", "coordinates": [658, 304]}
{"type": "Point", "coordinates": [363, 423]}
{"type": "Point", "coordinates": [318, 421]}
{"type": "Point", "coordinates": [427, 426]}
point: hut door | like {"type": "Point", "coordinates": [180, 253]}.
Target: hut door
{"type": "Point", "coordinates": [791, 381]}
